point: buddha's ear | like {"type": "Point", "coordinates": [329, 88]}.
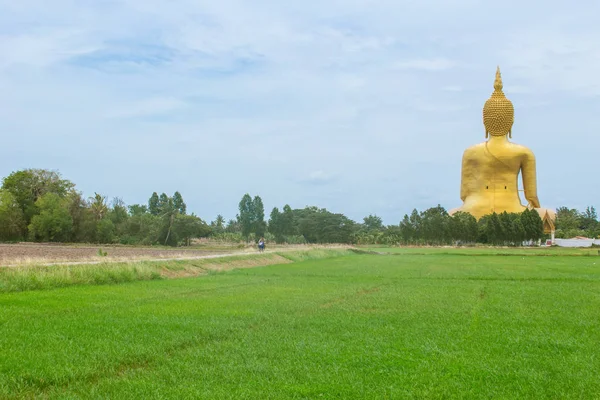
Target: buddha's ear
{"type": "Point", "coordinates": [510, 133]}
{"type": "Point", "coordinates": [486, 134]}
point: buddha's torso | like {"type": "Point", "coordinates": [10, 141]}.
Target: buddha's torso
{"type": "Point", "coordinates": [490, 177]}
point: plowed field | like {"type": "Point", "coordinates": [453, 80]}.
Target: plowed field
{"type": "Point", "coordinates": [11, 254]}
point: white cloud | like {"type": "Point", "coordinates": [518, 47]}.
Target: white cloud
{"type": "Point", "coordinates": [319, 178]}
{"type": "Point", "coordinates": [455, 88]}
{"type": "Point", "coordinates": [436, 64]}
{"type": "Point", "coordinates": [147, 107]}
{"type": "Point", "coordinates": [40, 50]}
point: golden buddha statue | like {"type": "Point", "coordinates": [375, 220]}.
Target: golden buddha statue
{"type": "Point", "coordinates": [490, 170]}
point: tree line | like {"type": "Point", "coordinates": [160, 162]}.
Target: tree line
{"type": "Point", "coordinates": [433, 226]}
{"type": "Point", "coordinates": [39, 205]}
{"type": "Point", "coordinates": [571, 223]}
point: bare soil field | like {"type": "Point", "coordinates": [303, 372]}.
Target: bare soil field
{"type": "Point", "coordinates": [34, 253]}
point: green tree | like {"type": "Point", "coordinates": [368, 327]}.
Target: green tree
{"type": "Point", "coordinates": [168, 213]}
{"type": "Point", "coordinates": [506, 223]}
{"type": "Point", "coordinates": [233, 226]}
{"type": "Point", "coordinates": [490, 230]}
{"type": "Point", "coordinates": [416, 225]}
{"type": "Point", "coordinates": [259, 224]}
{"type": "Point", "coordinates": [275, 225]}
{"type": "Point", "coordinates": [188, 227]}
{"type": "Point", "coordinates": [84, 224]}
{"type": "Point", "coordinates": [98, 206]}
{"type": "Point", "coordinates": [118, 213]}
{"type": "Point", "coordinates": [518, 231]}
{"type": "Point", "coordinates": [373, 223]}
{"type": "Point", "coordinates": [533, 225]}
{"type": "Point", "coordinates": [589, 221]}
{"type": "Point", "coordinates": [321, 226]}
{"type": "Point", "coordinates": [407, 232]}
{"type": "Point", "coordinates": [105, 231]}
{"type": "Point", "coordinates": [288, 225]}
{"type": "Point", "coordinates": [12, 223]}
{"type": "Point", "coordinates": [434, 225]}
{"type": "Point", "coordinates": [163, 203]}
{"type": "Point", "coordinates": [246, 215]}
{"type": "Point", "coordinates": [463, 228]}
{"type": "Point", "coordinates": [54, 222]}
{"type": "Point", "coordinates": [138, 209]}
{"type": "Point", "coordinates": [218, 225]}
{"type": "Point", "coordinates": [179, 204]}
{"type": "Point", "coordinates": [153, 204]}
{"type": "Point", "coordinates": [142, 228]}
{"type": "Point", "coordinates": [28, 185]}
{"type": "Point", "coordinates": [567, 219]}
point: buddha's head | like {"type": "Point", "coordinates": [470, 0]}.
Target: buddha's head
{"type": "Point", "coordinates": [498, 111]}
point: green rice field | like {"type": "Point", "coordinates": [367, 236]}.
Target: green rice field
{"type": "Point", "coordinates": [387, 324]}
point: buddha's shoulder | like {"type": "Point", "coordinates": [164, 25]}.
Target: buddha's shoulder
{"type": "Point", "coordinates": [520, 149]}
{"type": "Point", "coordinates": [512, 147]}
{"type": "Point", "coordinates": [475, 149]}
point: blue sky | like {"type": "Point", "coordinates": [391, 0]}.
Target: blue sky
{"type": "Point", "coordinates": [357, 106]}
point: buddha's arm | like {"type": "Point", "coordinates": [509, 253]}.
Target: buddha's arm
{"type": "Point", "coordinates": [464, 177]}
{"type": "Point", "coordinates": [529, 179]}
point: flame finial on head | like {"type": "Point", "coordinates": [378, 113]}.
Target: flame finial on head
{"type": "Point", "coordinates": [498, 82]}
{"type": "Point", "coordinates": [498, 112]}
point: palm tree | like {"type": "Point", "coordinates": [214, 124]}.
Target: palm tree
{"type": "Point", "coordinates": [98, 206]}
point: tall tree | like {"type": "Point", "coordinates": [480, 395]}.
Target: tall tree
{"type": "Point", "coordinates": [153, 204]}
{"type": "Point", "coordinates": [218, 225]}
{"type": "Point", "coordinates": [163, 203]}
{"type": "Point", "coordinates": [137, 209]}
{"type": "Point", "coordinates": [434, 225]}
{"type": "Point", "coordinates": [275, 226]}
{"type": "Point", "coordinates": [493, 229]}
{"type": "Point", "coordinates": [506, 222]}
{"type": "Point", "coordinates": [407, 231]}
{"type": "Point", "coordinates": [246, 215]}
{"type": "Point", "coordinates": [288, 226]}
{"type": "Point", "coordinates": [518, 231]}
{"type": "Point", "coordinates": [532, 224]}
{"type": "Point", "coordinates": [373, 223]}
{"type": "Point", "coordinates": [260, 226]}
{"type": "Point", "coordinates": [589, 220]}
{"type": "Point", "coordinates": [84, 224]}
{"type": "Point", "coordinates": [463, 227]}
{"type": "Point", "coordinates": [168, 212]}
{"type": "Point", "coordinates": [98, 206]}
{"type": "Point", "coordinates": [233, 226]}
{"type": "Point", "coordinates": [416, 225]}
{"type": "Point", "coordinates": [567, 219]}
{"type": "Point", "coordinates": [179, 204]}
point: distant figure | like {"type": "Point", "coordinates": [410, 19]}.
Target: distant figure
{"type": "Point", "coordinates": [261, 245]}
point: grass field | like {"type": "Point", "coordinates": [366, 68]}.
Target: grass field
{"type": "Point", "coordinates": [440, 325]}
{"type": "Point", "coordinates": [483, 251]}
